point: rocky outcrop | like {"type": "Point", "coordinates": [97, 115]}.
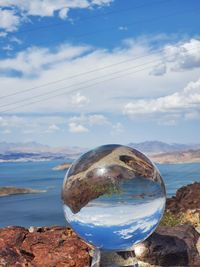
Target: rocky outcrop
{"type": "Point", "coordinates": [59, 246]}
{"type": "Point", "coordinates": [10, 190]}
{"type": "Point", "coordinates": [101, 171]}
{"type": "Point", "coordinates": [186, 198]}
{"type": "Point", "coordinates": [39, 247]}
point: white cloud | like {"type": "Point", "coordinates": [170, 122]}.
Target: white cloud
{"type": "Point", "coordinates": [121, 216]}
{"type": "Point", "coordinates": [90, 120]}
{"type": "Point", "coordinates": [53, 128]}
{"type": "Point", "coordinates": [63, 13]}
{"type": "Point", "coordinates": [15, 40]}
{"type": "Point", "coordinates": [39, 124]}
{"type": "Point", "coordinates": [3, 34]}
{"type": "Point", "coordinates": [97, 119]}
{"type": "Point", "coordinates": [101, 2]}
{"type": "Point", "coordinates": [79, 100]}
{"type": "Point", "coordinates": [181, 56]}
{"type": "Point", "coordinates": [179, 102]}
{"type": "Point", "coordinates": [10, 21]}
{"type": "Point", "coordinates": [143, 225]}
{"type": "Point", "coordinates": [74, 69]}
{"type": "Point", "coordinates": [7, 47]}
{"type": "Point", "coordinates": [158, 70]}
{"type": "Point", "coordinates": [123, 28]}
{"type": "Point", "coordinates": [77, 128]}
{"type": "Point", "coordinates": [34, 59]}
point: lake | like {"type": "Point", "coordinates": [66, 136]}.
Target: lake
{"type": "Point", "coordinates": [45, 209]}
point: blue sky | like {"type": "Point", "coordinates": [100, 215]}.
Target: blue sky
{"type": "Point", "coordinates": [101, 71]}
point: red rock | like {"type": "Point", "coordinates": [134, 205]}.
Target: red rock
{"type": "Point", "coordinates": [43, 247]}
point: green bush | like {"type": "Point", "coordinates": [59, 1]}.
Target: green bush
{"type": "Point", "coordinates": [170, 219]}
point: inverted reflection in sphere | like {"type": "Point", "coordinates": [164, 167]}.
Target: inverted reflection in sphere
{"type": "Point", "coordinates": [113, 197]}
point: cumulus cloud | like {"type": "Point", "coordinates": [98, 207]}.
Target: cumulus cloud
{"type": "Point", "coordinates": [89, 120]}
{"type": "Point", "coordinates": [185, 55]}
{"type": "Point", "coordinates": [180, 102]}
{"type": "Point", "coordinates": [53, 128]}
{"type": "Point", "coordinates": [97, 119]}
{"type": "Point", "coordinates": [77, 128]}
{"type": "Point", "coordinates": [178, 57]}
{"type": "Point", "coordinates": [79, 100]}
{"type": "Point", "coordinates": [34, 59]}
{"type": "Point", "coordinates": [10, 21]}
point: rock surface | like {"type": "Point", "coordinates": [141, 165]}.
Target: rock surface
{"type": "Point", "coordinates": [42, 247]}
{"type": "Point", "coordinates": [10, 190]}
{"type": "Point", "coordinates": [59, 247]}
{"type": "Point", "coordinates": [186, 198]}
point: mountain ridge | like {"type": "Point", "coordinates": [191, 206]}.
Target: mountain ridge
{"type": "Point", "coordinates": [158, 151]}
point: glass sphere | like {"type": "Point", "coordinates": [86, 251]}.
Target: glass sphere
{"type": "Point", "coordinates": [113, 197]}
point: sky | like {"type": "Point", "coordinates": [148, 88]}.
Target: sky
{"type": "Point", "coordinates": [92, 72]}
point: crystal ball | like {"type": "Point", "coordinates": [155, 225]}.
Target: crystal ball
{"type": "Point", "coordinates": [113, 197]}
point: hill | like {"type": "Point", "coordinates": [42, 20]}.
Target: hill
{"type": "Point", "coordinates": [155, 147]}
{"type": "Point", "coordinates": [188, 156]}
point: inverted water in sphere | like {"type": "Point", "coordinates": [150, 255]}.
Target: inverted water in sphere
{"type": "Point", "coordinates": [113, 197]}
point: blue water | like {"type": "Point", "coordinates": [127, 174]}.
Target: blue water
{"type": "Point", "coordinates": [46, 208]}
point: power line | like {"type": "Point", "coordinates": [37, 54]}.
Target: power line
{"type": "Point", "coordinates": [81, 88]}
{"type": "Point", "coordinates": [72, 91]}
{"type": "Point", "coordinates": [67, 87]}
{"type": "Point", "coordinates": [79, 75]}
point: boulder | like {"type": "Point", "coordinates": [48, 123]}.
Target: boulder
{"type": "Point", "coordinates": [170, 246]}
{"type": "Point", "coordinates": [186, 198]}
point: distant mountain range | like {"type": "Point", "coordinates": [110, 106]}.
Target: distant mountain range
{"type": "Point", "coordinates": [33, 151]}
{"type": "Point", "coordinates": [156, 147]}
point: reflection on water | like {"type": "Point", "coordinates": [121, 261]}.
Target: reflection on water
{"type": "Point", "coordinates": [115, 205]}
